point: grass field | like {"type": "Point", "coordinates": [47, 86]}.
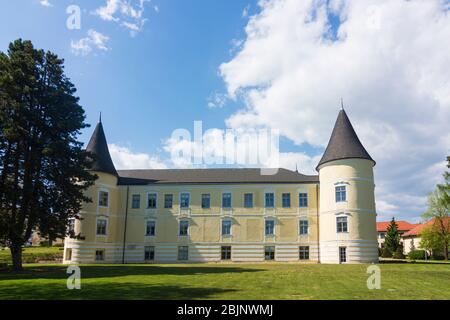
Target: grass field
{"type": "Point", "coordinates": [229, 281]}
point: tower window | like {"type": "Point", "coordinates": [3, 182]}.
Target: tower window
{"type": "Point", "coordinates": [342, 254]}
{"type": "Point", "coordinates": [103, 197]}
{"type": "Point", "coordinates": [342, 224]}
{"type": "Point", "coordinates": [341, 194]}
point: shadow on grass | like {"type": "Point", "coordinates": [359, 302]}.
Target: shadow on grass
{"type": "Point", "coordinates": [105, 291]}
{"type": "Point", "coordinates": [109, 271]}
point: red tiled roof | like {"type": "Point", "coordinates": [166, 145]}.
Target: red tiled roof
{"type": "Point", "coordinates": [419, 228]}
{"type": "Point", "coordinates": [401, 225]}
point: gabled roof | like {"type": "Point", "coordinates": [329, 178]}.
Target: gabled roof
{"type": "Point", "coordinates": [344, 143]}
{"type": "Point", "coordinates": [99, 148]}
{"type": "Point", "coordinates": [211, 176]}
{"type": "Point", "coordinates": [401, 225]}
{"type": "Point", "coordinates": [419, 228]}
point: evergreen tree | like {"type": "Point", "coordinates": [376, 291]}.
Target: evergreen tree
{"type": "Point", "coordinates": [42, 165]}
{"type": "Point", "coordinates": [392, 239]}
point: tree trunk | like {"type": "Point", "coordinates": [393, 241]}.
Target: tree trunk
{"type": "Point", "coordinates": [16, 255]}
{"type": "Point", "coordinates": [446, 251]}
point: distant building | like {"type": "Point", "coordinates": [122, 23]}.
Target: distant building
{"type": "Point", "coordinates": [403, 226]}
{"type": "Point", "coordinates": [412, 237]}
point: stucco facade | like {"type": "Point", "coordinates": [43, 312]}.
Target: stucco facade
{"type": "Point", "coordinates": [186, 218]}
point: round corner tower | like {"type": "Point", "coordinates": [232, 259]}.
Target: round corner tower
{"type": "Point", "coordinates": [347, 217]}
{"type": "Point", "coordinates": [100, 213]}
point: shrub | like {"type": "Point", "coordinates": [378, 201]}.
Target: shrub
{"type": "Point", "coordinates": [386, 253]}
{"type": "Point", "coordinates": [399, 253]}
{"type": "Point", "coordinates": [417, 255]}
{"type": "Point", "coordinates": [437, 256]}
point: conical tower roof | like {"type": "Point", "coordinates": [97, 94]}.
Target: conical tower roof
{"type": "Point", "coordinates": [99, 147]}
{"type": "Point", "coordinates": [344, 143]}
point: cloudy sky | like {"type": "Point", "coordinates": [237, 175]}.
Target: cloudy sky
{"type": "Point", "coordinates": [154, 66]}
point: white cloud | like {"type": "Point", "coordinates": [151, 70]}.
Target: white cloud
{"type": "Point", "coordinates": [45, 3]}
{"type": "Point", "coordinates": [124, 158]}
{"type": "Point", "coordinates": [94, 39]}
{"type": "Point", "coordinates": [388, 59]}
{"type": "Point", "coordinates": [217, 100]}
{"type": "Point", "coordinates": [128, 14]}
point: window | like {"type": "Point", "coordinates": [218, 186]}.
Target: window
{"type": "Point", "coordinates": [286, 200]}
{"type": "Point", "coordinates": [269, 253]}
{"type": "Point", "coordinates": [136, 201]}
{"type": "Point", "coordinates": [150, 228]}
{"type": "Point", "coordinates": [270, 200]}
{"type": "Point", "coordinates": [183, 253]}
{"type": "Point", "coordinates": [68, 254]}
{"type": "Point", "coordinates": [270, 226]}
{"type": "Point", "coordinates": [103, 198]}
{"type": "Point", "coordinates": [151, 200]}
{"type": "Point", "coordinates": [101, 227]}
{"type": "Point", "coordinates": [342, 224]}
{"type": "Point", "coordinates": [303, 252]}
{"type": "Point", "coordinates": [382, 235]}
{"type": "Point", "coordinates": [206, 201]}
{"type": "Point", "coordinates": [225, 252]}
{"type": "Point", "coordinates": [99, 255]}
{"type": "Point", "coordinates": [184, 200]}
{"type": "Point", "coordinates": [342, 254]}
{"type": "Point", "coordinates": [302, 200]}
{"type": "Point", "coordinates": [226, 200]}
{"type": "Point", "coordinates": [341, 194]}
{"type": "Point", "coordinates": [168, 201]}
{"type": "Point", "coordinates": [149, 253]}
{"type": "Point", "coordinates": [71, 225]}
{"type": "Point", "coordinates": [303, 227]}
{"type": "Point", "coordinates": [248, 200]}
{"type": "Point", "coordinates": [184, 226]}
{"type": "Point", "coordinates": [226, 227]}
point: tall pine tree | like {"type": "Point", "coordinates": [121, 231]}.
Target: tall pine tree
{"type": "Point", "coordinates": [42, 165]}
{"type": "Point", "coordinates": [392, 239]}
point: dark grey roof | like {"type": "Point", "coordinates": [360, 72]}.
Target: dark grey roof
{"type": "Point", "coordinates": [211, 176]}
{"type": "Point", "coordinates": [99, 148]}
{"type": "Point", "coordinates": [344, 143]}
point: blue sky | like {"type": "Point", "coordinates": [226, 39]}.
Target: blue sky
{"type": "Point", "coordinates": [154, 66]}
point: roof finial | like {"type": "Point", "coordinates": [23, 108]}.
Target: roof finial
{"type": "Point", "coordinates": [342, 104]}
{"type": "Point", "coordinates": [100, 118]}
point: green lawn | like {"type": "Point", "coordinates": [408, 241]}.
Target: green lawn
{"type": "Point", "coordinates": [229, 281]}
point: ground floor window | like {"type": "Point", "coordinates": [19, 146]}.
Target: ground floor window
{"type": "Point", "coordinates": [226, 253]}
{"type": "Point", "coordinates": [304, 252]}
{"type": "Point", "coordinates": [269, 253]}
{"type": "Point", "coordinates": [342, 254]}
{"type": "Point", "coordinates": [183, 253]}
{"type": "Point", "coordinates": [100, 255]}
{"type": "Point", "coordinates": [149, 253]}
{"type": "Point", "coordinates": [68, 254]}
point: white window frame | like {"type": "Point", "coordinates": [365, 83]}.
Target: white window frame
{"type": "Point", "coordinates": [347, 223]}
{"type": "Point", "coordinates": [346, 256]}
{"type": "Point", "coordinates": [146, 223]}
{"type": "Point", "coordinates": [106, 226]}
{"type": "Point", "coordinates": [290, 200]}
{"type": "Point", "coordinates": [179, 228]}
{"type": "Point", "coordinates": [340, 185]}
{"type": "Point", "coordinates": [265, 227]}
{"type": "Point", "coordinates": [231, 227]}
{"type": "Point", "coordinates": [300, 227]}
{"type": "Point", "coordinates": [98, 198]}
{"type": "Point", "coordinates": [252, 197]}
{"type": "Point", "coordinates": [307, 200]}
{"type": "Point", "coordinates": [189, 200]}
{"type": "Point", "coordinates": [156, 200]}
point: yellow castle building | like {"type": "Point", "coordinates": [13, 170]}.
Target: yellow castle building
{"type": "Point", "coordinates": [239, 215]}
